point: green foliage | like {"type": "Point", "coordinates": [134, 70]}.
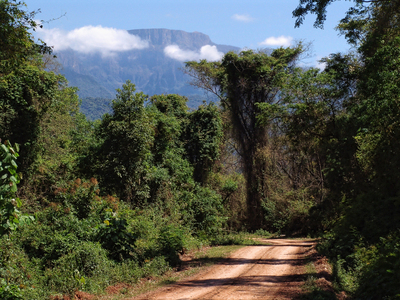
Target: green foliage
{"type": "Point", "coordinates": [25, 96]}
{"type": "Point", "coordinates": [113, 236]}
{"type": "Point", "coordinates": [377, 113]}
{"type": "Point", "coordinates": [26, 91]}
{"type": "Point", "coordinates": [144, 152]}
{"type": "Point", "coordinates": [8, 186]}
{"type": "Point", "coordinates": [95, 108]}
{"type": "Point", "coordinates": [74, 270]}
{"type": "Point", "coordinates": [233, 238]}
{"type": "Point", "coordinates": [366, 271]}
{"type": "Point", "coordinates": [15, 33]}
{"type": "Point", "coordinates": [10, 292]}
{"type": "Point", "coordinates": [78, 196]}
{"type": "Point", "coordinates": [288, 212]}
{"type": "Point", "coordinates": [263, 233]}
{"type": "Point", "coordinates": [365, 170]}
{"type": "Point", "coordinates": [204, 134]}
{"type": "Point", "coordinates": [172, 241]}
{"type": "Point", "coordinates": [14, 270]}
{"type": "Point", "coordinates": [171, 104]}
{"type": "Point", "coordinates": [231, 188]}
{"type": "Point", "coordinates": [242, 81]}
{"type": "Point", "coordinates": [308, 150]}
{"type": "Point", "coordinates": [170, 114]}
{"type": "Point", "coordinates": [382, 269]}
{"type": "Point", "coordinates": [319, 8]}
{"type": "Point", "coordinates": [11, 217]}
{"type": "Point", "coordinates": [127, 137]}
{"type": "Point", "coordinates": [206, 211]}
{"type": "Point", "coordinates": [62, 253]}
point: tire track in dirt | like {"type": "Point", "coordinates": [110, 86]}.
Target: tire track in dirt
{"type": "Point", "coordinates": [273, 271]}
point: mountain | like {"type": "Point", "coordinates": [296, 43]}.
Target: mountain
{"type": "Point", "coordinates": [97, 76]}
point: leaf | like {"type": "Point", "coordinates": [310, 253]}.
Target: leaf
{"type": "Point", "coordinates": [14, 164]}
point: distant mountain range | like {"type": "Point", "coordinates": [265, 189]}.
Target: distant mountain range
{"type": "Point", "coordinates": [150, 69]}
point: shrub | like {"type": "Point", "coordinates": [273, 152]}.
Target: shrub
{"type": "Point", "coordinates": [56, 233]}
{"type": "Point", "coordinates": [381, 269]}
{"type": "Point", "coordinates": [12, 270]}
{"type": "Point", "coordinates": [84, 267]}
{"type": "Point", "coordinates": [10, 216]}
{"type": "Point", "coordinates": [230, 239]}
{"type": "Point", "coordinates": [172, 241]}
{"type": "Point", "coordinates": [206, 209]}
{"type": "Point", "coordinates": [155, 266]}
{"type": "Point", "coordinates": [78, 196]}
{"type": "Point", "coordinates": [113, 235]}
{"type": "Point", "coordinates": [10, 291]}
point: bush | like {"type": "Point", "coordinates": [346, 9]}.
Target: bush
{"type": "Point", "coordinates": [381, 272]}
{"type": "Point", "coordinates": [10, 291]}
{"type": "Point", "coordinates": [288, 212]}
{"type": "Point", "coordinates": [230, 239]}
{"type": "Point", "coordinates": [84, 268]}
{"type": "Point", "coordinates": [263, 233]}
{"type": "Point", "coordinates": [56, 233]}
{"type": "Point", "coordinates": [172, 241]}
{"type": "Point", "coordinates": [363, 269]}
{"type": "Point", "coordinates": [78, 196]}
{"type": "Point", "coordinates": [231, 187]}
{"type": "Point", "coordinates": [13, 273]}
{"type": "Point", "coordinates": [145, 227]}
{"type": "Point", "coordinates": [113, 235]}
{"type": "Point", "coordinates": [206, 209]}
{"type": "Point", "coordinates": [155, 266]}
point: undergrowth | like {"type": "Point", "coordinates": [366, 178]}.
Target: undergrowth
{"type": "Point", "coordinates": [69, 248]}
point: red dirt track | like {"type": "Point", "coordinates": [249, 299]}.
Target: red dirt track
{"type": "Point", "coordinates": [273, 271]}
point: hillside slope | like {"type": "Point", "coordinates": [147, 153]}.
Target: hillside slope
{"type": "Point", "coordinates": [149, 69]}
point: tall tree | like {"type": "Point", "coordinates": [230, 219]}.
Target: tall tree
{"type": "Point", "coordinates": [127, 137]}
{"type": "Point", "coordinates": [243, 81]}
{"type": "Point", "coordinates": [26, 90]}
{"type": "Point", "coordinates": [18, 44]}
{"type": "Point", "coordinates": [314, 143]}
{"type": "Point", "coordinates": [370, 189]}
{"type": "Point", "coordinates": [203, 139]}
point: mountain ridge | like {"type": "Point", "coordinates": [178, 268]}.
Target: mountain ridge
{"type": "Point", "coordinates": [149, 69]}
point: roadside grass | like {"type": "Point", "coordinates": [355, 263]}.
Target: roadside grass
{"type": "Point", "coordinates": [316, 287]}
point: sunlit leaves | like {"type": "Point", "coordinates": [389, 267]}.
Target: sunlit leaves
{"type": "Point", "coordinates": [124, 156]}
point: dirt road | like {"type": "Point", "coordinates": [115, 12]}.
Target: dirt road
{"type": "Point", "coordinates": [273, 271]}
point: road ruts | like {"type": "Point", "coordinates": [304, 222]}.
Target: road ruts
{"type": "Point", "coordinates": [271, 271]}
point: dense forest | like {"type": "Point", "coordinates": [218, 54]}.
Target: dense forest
{"type": "Point", "coordinates": [85, 204]}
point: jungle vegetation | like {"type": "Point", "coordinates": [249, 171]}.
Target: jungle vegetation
{"type": "Point", "coordinates": [87, 204]}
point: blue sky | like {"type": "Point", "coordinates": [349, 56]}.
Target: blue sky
{"type": "Point", "coordinates": [235, 22]}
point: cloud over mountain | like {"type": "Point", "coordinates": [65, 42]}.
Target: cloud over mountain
{"type": "Point", "coordinates": [207, 52]}
{"type": "Point", "coordinates": [282, 40]}
{"type": "Point", "coordinates": [92, 39]}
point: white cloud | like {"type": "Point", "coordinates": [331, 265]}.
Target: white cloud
{"type": "Point", "coordinates": [319, 64]}
{"type": "Point", "coordinates": [207, 52]}
{"type": "Point", "coordinates": [282, 40]}
{"type": "Point", "coordinates": [242, 18]}
{"type": "Point", "coordinates": [91, 39]}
